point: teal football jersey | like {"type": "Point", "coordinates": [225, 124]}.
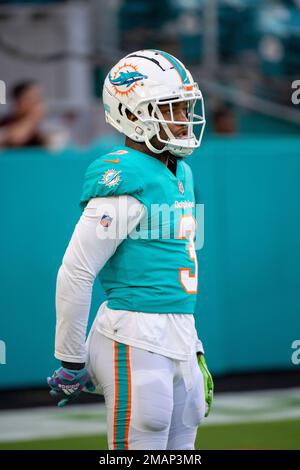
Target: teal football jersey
{"type": "Point", "coordinates": [156, 270]}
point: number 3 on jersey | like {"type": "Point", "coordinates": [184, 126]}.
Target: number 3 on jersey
{"type": "Point", "coordinates": [187, 230]}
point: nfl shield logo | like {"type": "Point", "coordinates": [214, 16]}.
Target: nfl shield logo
{"type": "Point", "coordinates": [180, 187]}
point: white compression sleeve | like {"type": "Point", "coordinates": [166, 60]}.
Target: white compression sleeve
{"type": "Point", "coordinates": [103, 225]}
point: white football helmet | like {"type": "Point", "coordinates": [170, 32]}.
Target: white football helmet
{"type": "Point", "coordinates": [140, 83]}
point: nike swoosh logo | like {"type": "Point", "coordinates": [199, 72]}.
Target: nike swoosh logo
{"type": "Point", "coordinates": [117, 160]}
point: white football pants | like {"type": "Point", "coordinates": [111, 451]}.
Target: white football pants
{"type": "Point", "coordinates": [152, 401]}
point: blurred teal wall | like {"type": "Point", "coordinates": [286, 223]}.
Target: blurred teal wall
{"type": "Point", "coordinates": [249, 269]}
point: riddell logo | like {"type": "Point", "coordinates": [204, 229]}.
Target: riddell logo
{"type": "Point", "coordinates": [2, 92]}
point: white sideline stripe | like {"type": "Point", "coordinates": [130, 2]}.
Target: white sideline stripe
{"type": "Point", "coordinates": [229, 408]}
{"type": "Point", "coordinates": [42, 423]}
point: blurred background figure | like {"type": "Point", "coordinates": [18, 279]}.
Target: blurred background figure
{"type": "Point", "coordinates": [242, 52]}
{"type": "Point", "coordinates": [223, 120]}
{"type": "Point", "coordinates": [21, 127]}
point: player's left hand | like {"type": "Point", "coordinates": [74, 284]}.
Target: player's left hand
{"type": "Point", "coordinates": [66, 384]}
{"type": "Point", "coordinates": [208, 383]}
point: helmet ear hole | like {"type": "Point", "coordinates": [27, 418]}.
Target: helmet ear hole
{"type": "Point", "coordinates": [150, 109]}
{"type": "Point", "coordinates": [130, 116]}
{"type": "Point", "coordinates": [120, 109]}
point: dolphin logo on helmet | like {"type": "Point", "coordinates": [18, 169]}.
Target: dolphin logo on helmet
{"type": "Point", "coordinates": [126, 78]}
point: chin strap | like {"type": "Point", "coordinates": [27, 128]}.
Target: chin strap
{"type": "Point", "coordinates": [179, 151]}
{"type": "Point", "coordinates": [173, 149]}
{"type": "Point", "coordinates": [152, 148]}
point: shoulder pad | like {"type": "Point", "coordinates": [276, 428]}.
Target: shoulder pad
{"type": "Point", "coordinates": [113, 174]}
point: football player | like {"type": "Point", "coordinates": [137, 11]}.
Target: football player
{"type": "Point", "coordinates": [136, 233]}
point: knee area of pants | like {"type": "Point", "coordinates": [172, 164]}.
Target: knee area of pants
{"type": "Point", "coordinates": [152, 422]}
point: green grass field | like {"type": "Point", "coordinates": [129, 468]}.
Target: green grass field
{"type": "Point", "coordinates": [247, 436]}
{"type": "Point", "coordinates": [262, 420]}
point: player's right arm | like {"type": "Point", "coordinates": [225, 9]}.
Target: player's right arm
{"type": "Point", "coordinates": [103, 225]}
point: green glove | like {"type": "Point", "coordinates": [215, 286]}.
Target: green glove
{"type": "Point", "coordinates": [208, 383]}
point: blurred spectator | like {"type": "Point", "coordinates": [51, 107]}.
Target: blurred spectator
{"type": "Point", "coordinates": [224, 120]}
{"type": "Point", "coordinates": [20, 128]}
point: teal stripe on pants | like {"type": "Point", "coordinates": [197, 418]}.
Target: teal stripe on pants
{"type": "Point", "coordinates": [123, 395]}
